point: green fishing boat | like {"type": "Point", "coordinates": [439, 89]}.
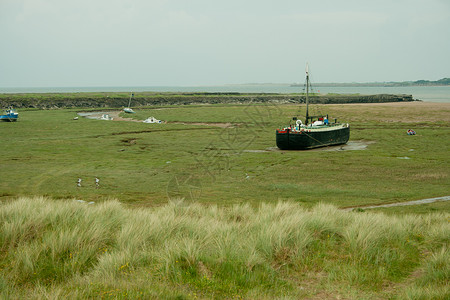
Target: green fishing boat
{"type": "Point", "coordinates": [316, 131]}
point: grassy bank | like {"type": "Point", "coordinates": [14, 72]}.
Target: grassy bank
{"type": "Point", "coordinates": [45, 152]}
{"type": "Point", "coordinates": [117, 100]}
{"type": "Point", "coordinates": [67, 249]}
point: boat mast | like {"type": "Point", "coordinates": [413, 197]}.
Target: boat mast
{"type": "Point", "coordinates": [307, 94]}
{"type": "Point", "coordinates": [129, 102]}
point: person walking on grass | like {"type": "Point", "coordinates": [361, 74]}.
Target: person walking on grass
{"type": "Point", "coordinates": [79, 182]}
{"type": "Point", "coordinates": [97, 182]}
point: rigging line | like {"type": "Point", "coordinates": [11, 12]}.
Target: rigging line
{"type": "Point", "coordinates": [314, 96]}
{"type": "Point", "coordinates": [301, 101]}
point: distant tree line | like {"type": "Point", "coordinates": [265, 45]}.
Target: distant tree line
{"type": "Point", "coordinates": [443, 81]}
{"type": "Point", "coordinates": [440, 82]}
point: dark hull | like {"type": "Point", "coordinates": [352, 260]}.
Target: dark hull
{"type": "Point", "coordinates": [307, 140]}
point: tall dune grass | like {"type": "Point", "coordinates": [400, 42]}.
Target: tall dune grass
{"type": "Point", "coordinates": [59, 249]}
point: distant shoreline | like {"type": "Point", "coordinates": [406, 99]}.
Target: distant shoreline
{"type": "Point", "coordinates": [444, 82]}
{"type": "Point", "coordinates": [374, 84]}
{"type": "Point", "coordinates": [440, 82]}
{"type": "Point", "coordinates": [425, 93]}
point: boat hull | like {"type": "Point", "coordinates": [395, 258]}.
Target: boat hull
{"type": "Point", "coordinates": [9, 118]}
{"type": "Point", "coordinates": [129, 110]}
{"type": "Point", "coordinates": [287, 140]}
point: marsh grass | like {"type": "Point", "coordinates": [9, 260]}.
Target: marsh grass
{"type": "Point", "coordinates": [47, 151]}
{"type": "Point", "coordinates": [59, 249]}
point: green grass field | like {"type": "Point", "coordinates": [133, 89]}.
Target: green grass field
{"type": "Point", "coordinates": [254, 222]}
{"type": "Point", "coordinates": [45, 152]}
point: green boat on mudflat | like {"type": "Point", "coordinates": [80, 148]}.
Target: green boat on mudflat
{"type": "Point", "coordinates": [317, 131]}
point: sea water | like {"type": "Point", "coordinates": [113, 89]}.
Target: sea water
{"type": "Point", "coordinates": [424, 93]}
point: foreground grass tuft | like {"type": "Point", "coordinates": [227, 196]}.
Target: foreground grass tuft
{"type": "Point", "coordinates": [61, 249]}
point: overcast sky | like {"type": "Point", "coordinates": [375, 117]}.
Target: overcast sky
{"type": "Point", "coordinates": [53, 43]}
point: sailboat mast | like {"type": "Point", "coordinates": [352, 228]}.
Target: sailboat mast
{"type": "Point", "coordinates": [129, 102]}
{"type": "Point", "coordinates": [307, 94]}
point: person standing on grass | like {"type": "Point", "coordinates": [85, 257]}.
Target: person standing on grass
{"type": "Point", "coordinates": [79, 182]}
{"type": "Point", "coordinates": [97, 182]}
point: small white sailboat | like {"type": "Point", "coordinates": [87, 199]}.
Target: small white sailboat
{"type": "Point", "coordinates": [128, 109]}
{"type": "Point", "coordinates": [152, 120]}
{"type": "Point", "coordinates": [106, 117]}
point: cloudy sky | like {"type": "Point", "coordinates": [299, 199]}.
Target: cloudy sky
{"type": "Point", "coordinates": [51, 43]}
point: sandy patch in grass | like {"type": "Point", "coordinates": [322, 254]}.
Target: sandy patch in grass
{"type": "Point", "coordinates": [414, 104]}
{"type": "Point", "coordinates": [415, 202]}
{"type": "Point", "coordinates": [113, 114]}
{"type": "Point", "coordinates": [116, 117]}
{"type": "Point", "coordinates": [395, 112]}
